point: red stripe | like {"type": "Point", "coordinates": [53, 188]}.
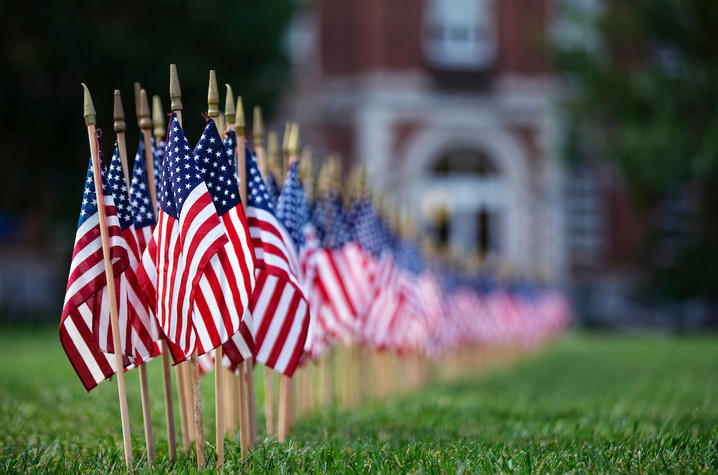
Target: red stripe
{"type": "Point", "coordinates": [284, 330]}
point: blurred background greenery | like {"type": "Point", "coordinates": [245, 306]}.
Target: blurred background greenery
{"type": "Point", "coordinates": [49, 47]}
{"type": "Point", "coordinates": [646, 99]}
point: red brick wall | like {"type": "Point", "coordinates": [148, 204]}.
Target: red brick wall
{"type": "Point", "coordinates": [523, 28]}
{"type": "Point", "coordinates": [358, 36]}
{"type": "Point", "coordinates": [364, 35]}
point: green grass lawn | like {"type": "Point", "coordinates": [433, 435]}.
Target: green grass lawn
{"type": "Point", "coordinates": [588, 403]}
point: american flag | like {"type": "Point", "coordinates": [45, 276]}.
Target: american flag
{"type": "Point", "coordinates": [294, 212]}
{"type": "Point", "coordinates": [86, 279]}
{"type": "Point", "coordinates": [189, 232]}
{"type": "Point", "coordinates": [333, 279]}
{"type": "Point", "coordinates": [137, 325]}
{"type": "Point", "coordinates": [374, 237]}
{"type": "Point", "coordinates": [142, 214]}
{"type": "Point", "coordinates": [222, 298]}
{"type": "Point", "coordinates": [278, 306]}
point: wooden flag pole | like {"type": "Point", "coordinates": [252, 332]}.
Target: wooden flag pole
{"type": "Point", "coordinates": [213, 113]}
{"type": "Point", "coordinates": [274, 165]}
{"type": "Point", "coordinates": [248, 412]}
{"type": "Point", "coordinates": [251, 402]}
{"type": "Point", "coordinates": [158, 121]}
{"type": "Point", "coordinates": [142, 110]}
{"type": "Point", "coordinates": [258, 142]}
{"type": "Point", "coordinates": [90, 121]}
{"type": "Point", "coordinates": [284, 400]}
{"type": "Point", "coordinates": [146, 128]}
{"type": "Point", "coordinates": [194, 393]}
{"type": "Point", "coordinates": [182, 369]}
{"type": "Point", "coordinates": [120, 127]}
{"type": "Point", "coordinates": [241, 170]}
{"type": "Point", "coordinates": [159, 132]}
{"type": "Point", "coordinates": [232, 394]}
{"type": "Point", "coordinates": [310, 381]}
{"type": "Point", "coordinates": [286, 386]}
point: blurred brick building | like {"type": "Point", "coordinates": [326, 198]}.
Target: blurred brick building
{"type": "Point", "coordinates": [454, 108]}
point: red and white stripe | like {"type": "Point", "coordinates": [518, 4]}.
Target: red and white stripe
{"type": "Point", "coordinates": [279, 308]}
{"type": "Point", "coordinates": [183, 249]}
{"type": "Point", "coordinates": [86, 279]}
{"type": "Point", "coordinates": [224, 291]}
{"type": "Point", "coordinates": [138, 327]}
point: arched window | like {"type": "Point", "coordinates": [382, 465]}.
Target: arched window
{"type": "Point", "coordinates": [464, 162]}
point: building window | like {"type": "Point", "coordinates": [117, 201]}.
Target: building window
{"type": "Point", "coordinates": [585, 218]}
{"type": "Point", "coordinates": [460, 34]}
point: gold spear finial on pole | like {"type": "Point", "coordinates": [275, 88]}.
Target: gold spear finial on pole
{"type": "Point", "coordinates": [145, 121]}
{"type": "Point", "coordinates": [229, 111]}
{"type": "Point", "coordinates": [212, 96]}
{"type": "Point", "coordinates": [275, 167]}
{"type": "Point", "coordinates": [175, 91]}
{"type": "Point", "coordinates": [306, 171]}
{"type": "Point", "coordinates": [158, 119]}
{"type": "Point", "coordinates": [120, 126]}
{"type": "Point", "coordinates": [239, 123]}
{"type": "Point", "coordinates": [286, 139]}
{"type": "Point", "coordinates": [118, 114]}
{"type": "Point", "coordinates": [138, 88]}
{"type": "Point", "coordinates": [89, 107]}
{"type": "Point", "coordinates": [258, 128]}
{"type": "Point", "coordinates": [294, 140]}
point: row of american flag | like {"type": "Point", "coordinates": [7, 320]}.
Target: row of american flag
{"type": "Point", "coordinates": [280, 283]}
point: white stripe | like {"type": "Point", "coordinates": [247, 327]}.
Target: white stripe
{"type": "Point", "coordinates": [275, 326]}
{"type": "Point", "coordinates": [88, 276]}
{"type": "Point", "coordinates": [292, 337]}
{"type": "Point", "coordinates": [260, 310]}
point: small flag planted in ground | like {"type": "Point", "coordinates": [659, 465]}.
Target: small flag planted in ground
{"type": "Point", "coordinates": [86, 280]}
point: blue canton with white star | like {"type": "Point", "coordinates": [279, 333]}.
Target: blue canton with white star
{"type": "Point", "coordinates": [229, 141]}
{"type": "Point", "coordinates": [408, 256]}
{"type": "Point", "coordinates": [140, 199]}
{"type": "Point", "coordinates": [118, 187]}
{"type": "Point", "coordinates": [369, 229]}
{"type": "Point", "coordinates": [257, 194]}
{"type": "Point", "coordinates": [89, 199]}
{"type": "Point", "coordinates": [292, 207]}
{"type": "Point", "coordinates": [272, 188]}
{"type": "Point", "coordinates": [212, 162]}
{"type": "Point", "coordinates": [157, 152]}
{"type": "Point", "coordinates": [332, 227]}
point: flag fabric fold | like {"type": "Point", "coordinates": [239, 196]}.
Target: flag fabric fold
{"type": "Point", "coordinates": [188, 233]}
{"type": "Point", "coordinates": [222, 298]}
{"type": "Point", "coordinates": [86, 279]}
{"type": "Point", "coordinates": [278, 305]}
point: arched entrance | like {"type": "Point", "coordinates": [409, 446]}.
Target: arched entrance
{"type": "Point", "coordinates": [465, 201]}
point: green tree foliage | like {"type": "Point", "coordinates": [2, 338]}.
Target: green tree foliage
{"type": "Point", "coordinates": [647, 99]}
{"type": "Point", "coordinates": [50, 46]}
